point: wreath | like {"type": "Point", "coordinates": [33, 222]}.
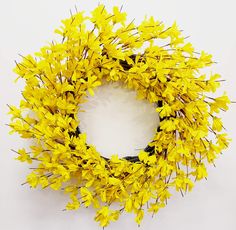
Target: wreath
{"type": "Point", "coordinates": [149, 58]}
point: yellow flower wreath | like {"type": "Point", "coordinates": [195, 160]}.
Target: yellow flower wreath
{"type": "Point", "coordinates": [162, 68]}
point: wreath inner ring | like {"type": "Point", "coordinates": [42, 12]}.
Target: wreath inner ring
{"type": "Point", "coordinates": [149, 149]}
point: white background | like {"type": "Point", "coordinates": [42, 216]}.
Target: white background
{"type": "Point", "coordinates": [25, 26]}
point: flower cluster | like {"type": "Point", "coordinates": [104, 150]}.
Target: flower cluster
{"type": "Point", "coordinates": [156, 62]}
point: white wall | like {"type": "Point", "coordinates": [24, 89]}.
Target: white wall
{"type": "Point", "coordinates": [25, 26]}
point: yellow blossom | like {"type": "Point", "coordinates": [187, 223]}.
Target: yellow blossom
{"type": "Point", "coordinates": [24, 156]}
{"type": "Point", "coordinates": [105, 215]}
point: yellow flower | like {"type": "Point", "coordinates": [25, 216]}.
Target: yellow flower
{"type": "Point", "coordinates": [154, 207]}
{"type": "Point", "coordinates": [114, 181]}
{"type": "Point", "coordinates": [15, 112]}
{"type": "Point", "coordinates": [139, 216]}
{"type": "Point", "coordinates": [33, 180]}
{"type": "Point", "coordinates": [201, 172]}
{"type": "Point", "coordinates": [118, 17]}
{"type": "Point", "coordinates": [164, 111]}
{"type": "Point", "coordinates": [24, 156]}
{"type": "Point", "coordinates": [43, 181]}
{"type": "Point", "coordinates": [75, 204]}
{"type": "Point", "coordinates": [223, 140]}
{"type": "Point", "coordinates": [217, 124]}
{"type": "Point", "coordinates": [86, 196]}
{"type": "Point", "coordinates": [220, 103]}
{"type": "Point", "coordinates": [105, 215]}
{"type": "Point", "coordinates": [129, 205]}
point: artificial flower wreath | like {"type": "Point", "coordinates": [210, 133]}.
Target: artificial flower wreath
{"type": "Point", "coordinates": [162, 68]}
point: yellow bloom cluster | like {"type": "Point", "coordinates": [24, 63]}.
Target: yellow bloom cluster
{"type": "Point", "coordinates": [162, 68]}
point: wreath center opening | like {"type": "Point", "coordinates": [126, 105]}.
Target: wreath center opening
{"type": "Point", "coordinates": [116, 122]}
